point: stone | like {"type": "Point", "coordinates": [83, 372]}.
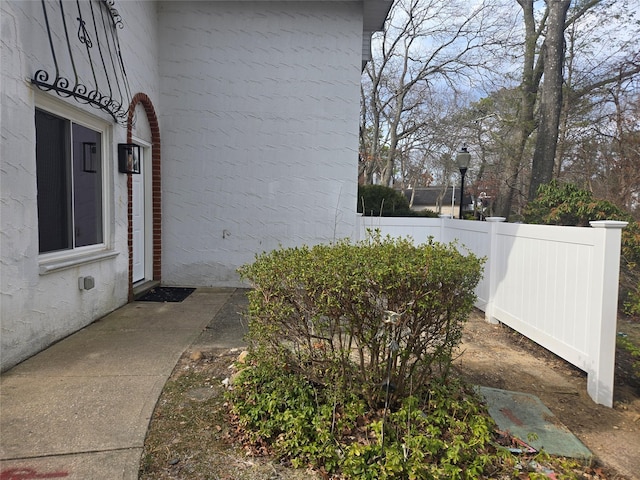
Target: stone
{"type": "Point", "coordinates": [242, 358]}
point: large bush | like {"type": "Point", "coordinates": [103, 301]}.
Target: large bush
{"type": "Point", "coordinates": [350, 349]}
{"type": "Point", "coordinates": [567, 204]}
{"type": "Point", "coordinates": [379, 318]}
{"type": "Point", "coordinates": [377, 200]}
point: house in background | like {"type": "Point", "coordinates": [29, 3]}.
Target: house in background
{"type": "Point", "coordinates": [438, 199]}
{"type": "Point", "coordinates": [234, 112]}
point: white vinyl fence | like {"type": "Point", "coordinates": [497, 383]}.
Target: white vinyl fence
{"type": "Point", "coordinates": [556, 285]}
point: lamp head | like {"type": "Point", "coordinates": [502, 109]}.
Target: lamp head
{"type": "Point", "coordinates": [463, 158]}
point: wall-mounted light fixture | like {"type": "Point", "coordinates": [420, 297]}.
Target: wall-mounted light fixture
{"type": "Point", "coordinates": [128, 158]}
{"type": "Point", "coordinates": [90, 157]}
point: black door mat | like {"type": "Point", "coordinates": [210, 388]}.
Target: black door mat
{"type": "Point", "coordinates": [166, 294]}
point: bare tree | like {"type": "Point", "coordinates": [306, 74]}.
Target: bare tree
{"type": "Point", "coordinates": [596, 87]}
{"type": "Point", "coordinates": [500, 146]}
{"type": "Point", "coordinates": [426, 44]}
{"type": "Point", "coordinates": [604, 156]}
{"type": "Point", "coordinates": [546, 102]}
{"type": "Point", "coordinates": [546, 64]}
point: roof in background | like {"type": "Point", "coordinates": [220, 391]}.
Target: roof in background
{"type": "Point", "coordinates": [375, 14]}
{"type": "Point", "coordinates": [429, 195]}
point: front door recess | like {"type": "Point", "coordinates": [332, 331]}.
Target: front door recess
{"type": "Point", "coordinates": [138, 221]}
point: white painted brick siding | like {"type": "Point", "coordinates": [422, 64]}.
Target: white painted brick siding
{"type": "Point", "coordinates": [259, 125]}
{"type": "Point", "coordinates": [36, 310]}
{"type": "Point", "coordinates": [258, 107]}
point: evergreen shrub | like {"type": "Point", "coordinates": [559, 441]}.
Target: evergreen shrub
{"type": "Point", "coordinates": [348, 369]}
{"type": "Point", "coordinates": [567, 204]}
{"type": "Point", "coordinates": [378, 318]}
{"type": "Point", "coordinates": [378, 200]}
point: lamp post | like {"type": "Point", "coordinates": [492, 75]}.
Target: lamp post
{"type": "Point", "coordinates": [462, 160]}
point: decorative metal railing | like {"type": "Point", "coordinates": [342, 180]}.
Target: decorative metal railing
{"type": "Point", "coordinates": [89, 69]}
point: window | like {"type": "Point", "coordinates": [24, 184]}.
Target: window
{"type": "Point", "coordinates": [70, 183]}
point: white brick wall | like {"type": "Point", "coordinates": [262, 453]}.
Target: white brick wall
{"type": "Point", "coordinates": [259, 123]}
{"type": "Point", "coordinates": [38, 309]}
{"type": "Point", "coordinates": [258, 108]}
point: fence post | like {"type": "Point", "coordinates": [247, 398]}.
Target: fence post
{"type": "Point", "coordinates": [602, 340]}
{"type": "Point", "coordinates": [443, 217]}
{"type": "Point", "coordinates": [490, 267]}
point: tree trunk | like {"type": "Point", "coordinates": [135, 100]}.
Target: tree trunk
{"type": "Point", "coordinates": [550, 97]}
{"type": "Point", "coordinates": [526, 119]}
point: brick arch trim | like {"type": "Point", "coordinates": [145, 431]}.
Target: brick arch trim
{"type": "Point", "coordinates": [145, 101]}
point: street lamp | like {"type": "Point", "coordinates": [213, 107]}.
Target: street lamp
{"type": "Point", "coordinates": [462, 160]}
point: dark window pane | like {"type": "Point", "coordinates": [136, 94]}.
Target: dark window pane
{"type": "Point", "coordinates": [53, 181]}
{"type": "Point", "coordinates": [87, 186]}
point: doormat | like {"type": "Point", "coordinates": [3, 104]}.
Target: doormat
{"type": "Point", "coordinates": [166, 294]}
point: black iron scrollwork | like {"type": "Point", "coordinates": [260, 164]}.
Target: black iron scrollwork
{"type": "Point", "coordinates": [115, 16]}
{"type": "Point", "coordinates": [102, 66]}
{"type": "Point", "coordinates": [83, 35]}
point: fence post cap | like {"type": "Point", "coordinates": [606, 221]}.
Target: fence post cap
{"type": "Point", "coordinates": [496, 219]}
{"type": "Point", "coordinates": [608, 224]}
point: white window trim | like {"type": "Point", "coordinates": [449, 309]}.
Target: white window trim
{"type": "Point", "coordinates": [60, 260]}
{"type": "Point", "coordinates": [57, 264]}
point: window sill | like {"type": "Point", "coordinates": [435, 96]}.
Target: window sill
{"type": "Point", "coordinates": [55, 265]}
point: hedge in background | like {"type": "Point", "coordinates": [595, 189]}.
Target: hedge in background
{"type": "Point", "coordinates": [379, 319]}
{"type": "Point", "coordinates": [567, 204]}
{"type": "Point", "coordinates": [378, 200]}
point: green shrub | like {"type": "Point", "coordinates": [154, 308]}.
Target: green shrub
{"type": "Point", "coordinates": [348, 371]}
{"type": "Point", "coordinates": [297, 420]}
{"type": "Point", "coordinates": [426, 213]}
{"type": "Point", "coordinates": [379, 318]}
{"type": "Point", "coordinates": [634, 352]}
{"type": "Point", "coordinates": [444, 434]}
{"type": "Point", "coordinates": [377, 200]}
{"type": "Point", "coordinates": [567, 204]}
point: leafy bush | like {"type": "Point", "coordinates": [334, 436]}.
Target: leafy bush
{"type": "Point", "coordinates": [293, 417]}
{"type": "Point", "coordinates": [634, 352]}
{"type": "Point", "coordinates": [426, 213]}
{"type": "Point", "coordinates": [567, 204]}
{"type": "Point", "coordinates": [348, 371]}
{"type": "Point", "coordinates": [379, 318]}
{"type": "Point", "coordinates": [446, 434]}
{"type": "Point", "coordinates": [445, 437]}
{"type": "Point", "coordinates": [377, 200]}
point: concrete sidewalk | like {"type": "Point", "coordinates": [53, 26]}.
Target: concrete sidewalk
{"type": "Point", "coordinates": [80, 409]}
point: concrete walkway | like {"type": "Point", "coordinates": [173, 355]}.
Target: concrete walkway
{"type": "Point", "coordinates": [80, 409]}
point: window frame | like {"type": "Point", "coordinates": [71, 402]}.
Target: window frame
{"type": "Point", "coordinates": [68, 258]}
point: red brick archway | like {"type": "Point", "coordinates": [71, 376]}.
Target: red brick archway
{"type": "Point", "coordinates": [145, 101]}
